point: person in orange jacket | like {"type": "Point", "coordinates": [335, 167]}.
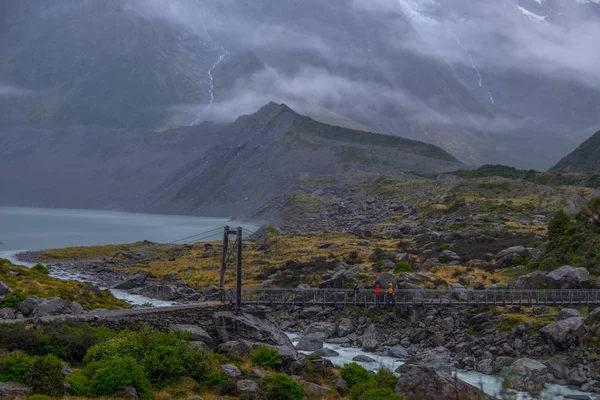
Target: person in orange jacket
{"type": "Point", "coordinates": [390, 294]}
{"type": "Point", "coordinates": [377, 293]}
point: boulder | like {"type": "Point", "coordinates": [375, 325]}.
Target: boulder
{"type": "Point", "coordinates": [346, 326]}
{"type": "Point", "coordinates": [447, 256]}
{"type": "Point", "coordinates": [4, 289]}
{"type": "Point", "coordinates": [557, 367]}
{"type": "Point", "coordinates": [567, 313]}
{"type": "Point", "coordinates": [384, 280]}
{"type": "Point", "coordinates": [324, 352]}
{"type": "Point", "coordinates": [57, 306]}
{"type": "Point", "coordinates": [12, 390]}
{"type": "Point", "coordinates": [529, 281]}
{"type": "Point", "coordinates": [427, 382]}
{"type": "Point", "coordinates": [397, 352]}
{"type": "Point", "coordinates": [577, 377]}
{"type": "Point", "coordinates": [231, 370]}
{"type": "Point", "coordinates": [135, 281]}
{"type": "Point", "coordinates": [501, 362]}
{"type": "Point", "coordinates": [459, 292]}
{"type": "Point", "coordinates": [235, 349]}
{"type": "Point", "coordinates": [312, 389]}
{"type": "Point", "coordinates": [161, 292]}
{"type": "Point", "coordinates": [259, 372]}
{"type": "Point", "coordinates": [485, 366]}
{"type": "Point", "coordinates": [482, 317]}
{"type": "Point", "coordinates": [340, 385]}
{"type": "Point", "coordinates": [594, 315]}
{"type": "Point", "coordinates": [567, 277]}
{"type": "Point", "coordinates": [370, 340]}
{"type": "Point", "coordinates": [128, 392]}
{"type": "Point", "coordinates": [363, 358]}
{"type": "Point", "coordinates": [563, 333]}
{"type": "Point", "coordinates": [438, 356]}
{"type": "Point", "coordinates": [230, 326]}
{"type": "Point", "coordinates": [326, 328]}
{"type": "Point", "coordinates": [66, 370]}
{"type": "Point", "coordinates": [506, 257]}
{"type": "Point", "coordinates": [311, 342]}
{"type": "Point", "coordinates": [337, 280]}
{"type": "Point", "coordinates": [247, 387]}
{"type": "Point", "coordinates": [196, 333]}
{"type": "Point", "coordinates": [27, 306]}
{"type": "Point", "coordinates": [526, 375]}
{"type": "Point", "coordinates": [7, 313]}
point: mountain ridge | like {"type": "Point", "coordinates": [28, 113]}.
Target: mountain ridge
{"type": "Point", "coordinates": [585, 158]}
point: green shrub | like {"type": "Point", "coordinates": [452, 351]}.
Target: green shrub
{"type": "Point", "coordinates": [14, 367]}
{"type": "Point", "coordinates": [354, 374]}
{"type": "Point", "coordinates": [41, 269]}
{"type": "Point", "coordinates": [360, 388]}
{"type": "Point", "coordinates": [13, 299]}
{"type": "Point", "coordinates": [45, 376]}
{"type": "Point", "coordinates": [265, 356]}
{"type": "Point", "coordinates": [282, 387]}
{"type": "Point", "coordinates": [542, 286]}
{"type": "Point", "coordinates": [113, 375]}
{"type": "Point", "coordinates": [163, 364]}
{"type": "Point", "coordinates": [80, 384]}
{"type": "Point", "coordinates": [214, 377]}
{"type": "Point", "coordinates": [385, 379]}
{"type": "Point", "coordinates": [380, 394]}
{"type": "Point", "coordinates": [445, 246]}
{"type": "Point", "coordinates": [402, 267]}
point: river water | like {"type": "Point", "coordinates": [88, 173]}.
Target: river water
{"type": "Point", "coordinates": [490, 384]}
{"type": "Point", "coordinates": [23, 229]}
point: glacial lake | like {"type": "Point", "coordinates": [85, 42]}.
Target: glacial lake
{"type": "Point", "coordinates": [42, 228]}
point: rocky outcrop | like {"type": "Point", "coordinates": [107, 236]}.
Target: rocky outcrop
{"type": "Point", "coordinates": [230, 326]}
{"type": "Point", "coordinates": [485, 366]}
{"type": "Point", "coordinates": [525, 375]}
{"type": "Point", "coordinates": [370, 340]}
{"type": "Point", "coordinates": [563, 333]}
{"type": "Point", "coordinates": [247, 387]}
{"type": "Point", "coordinates": [346, 326]}
{"type": "Point", "coordinates": [235, 349]}
{"type": "Point", "coordinates": [312, 389]}
{"type": "Point", "coordinates": [594, 315]}
{"type": "Point", "coordinates": [12, 390]}
{"type": "Point", "coordinates": [4, 289]}
{"type": "Point", "coordinates": [311, 342]}
{"type": "Point", "coordinates": [161, 292]}
{"type": "Point", "coordinates": [529, 281]}
{"type": "Point", "coordinates": [429, 383]}
{"type": "Point", "coordinates": [57, 306]}
{"type": "Point", "coordinates": [337, 280]}
{"type": "Point", "coordinates": [231, 370]}
{"type": "Point", "coordinates": [7, 313]}
{"type": "Point", "coordinates": [506, 257]}
{"type": "Point", "coordinates": [448, 257]}
{"type": "Point", "coordinates": [566, 313]}
{"type": "Point", "coordinates": [567, 277]}
{"type": "Point", "coordinates": [196, 333]}
{"type": "Point", "coordinates": [27, 306]}
{"type": "Point", "coordinates": [135, 281]}
{"type": "Point", "coordinates": [326, 328]}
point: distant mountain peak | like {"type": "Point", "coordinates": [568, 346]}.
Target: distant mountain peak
{"type": "Point", "coordinates": [585, 158]}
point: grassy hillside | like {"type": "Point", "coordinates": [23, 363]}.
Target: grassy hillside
{"type": "Point", "coordinates": [585, 158]}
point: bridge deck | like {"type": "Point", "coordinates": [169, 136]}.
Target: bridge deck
{"type": "Point", "coordinates": [420, 297]}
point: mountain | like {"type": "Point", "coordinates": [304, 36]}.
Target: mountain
{"type": "Point", "coordinates": [584, 159]}
{"type": "Point", "coordinates": [365, 65]}
{"type": "Point", "coordinates": [208, 169]}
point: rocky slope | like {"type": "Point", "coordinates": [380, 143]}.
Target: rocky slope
{"type": "Point", "coordinates": [585, 158]}
{"type": "Point", "coordinates": [209, 169]}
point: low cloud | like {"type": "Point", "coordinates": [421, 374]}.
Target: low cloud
{"type": "Point", "coordinates": [7, 90]}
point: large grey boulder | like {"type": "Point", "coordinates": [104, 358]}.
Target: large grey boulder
{"type": "Point", "coordinates": [57, 306]}
{"type": "Point", "coordinates": [397, 352]}
{"type": "Point", "coordinates": [384, 280]}
{"type": "Point", "coordinates": [501, 362]}
{"type": "Point", "coordinates": [247, 387]}
{"type": "Point", "coordinates": [235, 349]}
{"type": "Point", "coordinates": [128, 392]}
{"type": "Point", "coordinates": [563, 333]}
{"type": "Point", "coordinates": [428, 382]}
{"type": "Point", "coordinates": [4, 289]}
{"type": "Point", "coordinates": [506, 257]}
{"type": "Point", "coordinates": [363, 358]}
{"type": "Point", "coordinates": [196, 333]}
{"type": "Point", "coordinates": [337, 280]}
{"type": "Point", "coordinates": [312, 389]}
{"type": "Point", "coordinates": [27, 306]}
{"type": "Point", "coordinates": [7, 313]}
{"type": "Point", "coordinates": [230, 327]}
{"type": "Point", "coordinates": [326, 328]}
{"type": "Point", "coordinates": [345, 327]}
{"type": "Point", "coordinates": [567, 277]}
{"type": "Point", "coordinates": [448, 256]}
{"type": "Point", "coordinates": [231, 370]}
{"type": "Point", "coordinates": [526, 375]}
{"type": "Point", "coordinates": [485, 366]}
{"type": "Point", "coordinates": [135, 281]}
{"type": "Point", "coordinates": [557, 367]}
{"type": "Point", "coordinates": [161, 292]}
{"type": "Point", "coordinates": [324, 352]}
{"type": "Point", "coordinates": [311, 342]}
{"type": "Point", "coordinates": [438, 356]}
{"type": "Point", "coordinates": [529, 281]}
{"type": "Point", "coordinates": [458, 291]}
{"type": "Point", "coordinates": [594, 315]}
{"type": "Point", "coordinates": [370, 340]}
{"type": "Point", "coordinates": [566, 313]}
{"type": "Point", "coordinates": [12, 390]}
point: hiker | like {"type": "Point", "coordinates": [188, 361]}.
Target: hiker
{"type": "Point", "coordinates": [356, 292]}
{"type": "Point", "coordinates": [390, 294]}
{"type": "Point", "coordinates": [377, 293]}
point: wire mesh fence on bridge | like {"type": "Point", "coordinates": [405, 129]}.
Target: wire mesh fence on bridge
{"type": "Point", "coordinates": [416, 297]}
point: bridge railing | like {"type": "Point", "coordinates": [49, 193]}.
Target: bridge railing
{"type": "Point", "coordinates": [367, 297]}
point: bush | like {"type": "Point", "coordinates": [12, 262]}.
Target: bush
{"type": "Point", "coordinates": [265, 356]}
{"type": "Point", "coordinates": [114, 374]}
{"type": "Point", "coordinates": [402, 267]}
{"type": "Point", "coordinates": [13, 299]}
{"type": "Point", "coordinates": [354, 374]}
{"type": "Point", "coordinates": [445, 246]}
{"type": "Point", "coordinates": [45, 376]}
{"type": "Point", "coordinates": [80, 384]}
{"type": "Point", "coordinates": [282, 387]}
{"type": "Point", "coordinates": [163, 364]}
{"type": "Point", "coordinates": [14, 367]}
{"type": "Point", "coordinates": [214, 377]}
{"type": "Point", "coordinates": [41, 269]}
{"type": "Point", "coordinates": [385, 379]}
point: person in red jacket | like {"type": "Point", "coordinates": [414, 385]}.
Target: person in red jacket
{"type": "Point", "coordinates": [377, 293]}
